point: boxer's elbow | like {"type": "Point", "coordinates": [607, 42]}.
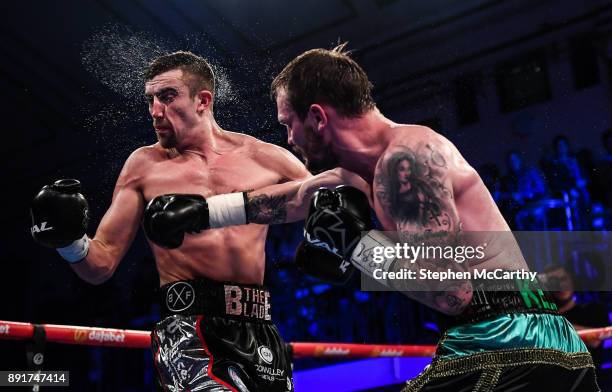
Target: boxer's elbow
{"type": "Point", "coordinates": [97, 267]}
{"type": "Point", "coordinates": [92, 273]}
{"type": "Point", "coordinates": [454, 301]}
{"type": "Point", "coordinates": [452, 311]}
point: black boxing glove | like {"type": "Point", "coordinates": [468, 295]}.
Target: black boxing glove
{"type": "Point", "coordinates": [336, 221]}
{"type": "Point", "coordinates": [60, 215]}
{"type": "Point", "coordinates": [168, 218]}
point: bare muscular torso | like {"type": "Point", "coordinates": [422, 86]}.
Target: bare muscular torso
{"type": "Point", "coordinates": [229, 254]}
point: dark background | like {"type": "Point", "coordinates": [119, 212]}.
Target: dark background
{"type": "Point", "coordinates": [489, 75]}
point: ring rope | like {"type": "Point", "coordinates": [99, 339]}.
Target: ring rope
{"type": "Point", "coordinates": [109, 337]}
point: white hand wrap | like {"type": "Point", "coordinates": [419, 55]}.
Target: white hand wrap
{"type": "Point", "coordinates": [76, 251]}
{"type": "Point", "coordinates": [363, 254]}
{"type": "Point", "coordinates": [226, 210]}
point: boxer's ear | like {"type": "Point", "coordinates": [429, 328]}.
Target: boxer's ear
{"type": "Point", "coordinates": [205, 97]}
{"type": "Point", "coordinates": [318, 116]}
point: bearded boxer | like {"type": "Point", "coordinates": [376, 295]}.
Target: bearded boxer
{"type": "Point", "coordinates": [424, 192]}
{"type": "Point", "coordinates": [506, 337]}
{"type": "Point", "coordinates": [214, 335]}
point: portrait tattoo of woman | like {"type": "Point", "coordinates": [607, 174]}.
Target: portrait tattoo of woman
{"type": "Point", "coordinates": [409, 187]}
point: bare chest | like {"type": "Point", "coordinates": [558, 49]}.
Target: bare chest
{"type": "Point", "coordinates": [195, 176]}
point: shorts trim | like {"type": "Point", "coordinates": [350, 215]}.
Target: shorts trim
{"type": "Point", "coordinates": [156, 360]}
{"type": "Point", "coordinates": [487, 380]}
{"type": "Point", "coordinates": [492, 363]}
{"type": "Point", "coordinates": [210, 356]}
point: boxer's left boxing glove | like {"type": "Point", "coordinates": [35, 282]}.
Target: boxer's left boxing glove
{"type": "Point", "coordinates": [60, 215]}
{"type": "Point", "coordinates": [168, 217]}
{"type": "Point", "coordinates": [336, 221]}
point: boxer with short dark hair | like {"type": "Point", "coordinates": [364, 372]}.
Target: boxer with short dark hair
{"type": "Point", "coordinates": [424, 192]}
{"type": "Point", "coordinates": [216, 332]}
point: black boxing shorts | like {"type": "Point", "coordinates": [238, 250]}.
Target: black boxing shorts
{"type": "Point", "coordinates": [217, 336]}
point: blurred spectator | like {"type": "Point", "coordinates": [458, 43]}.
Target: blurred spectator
{"type": "Point", "coordinates": [562, 169]}
{"type": "Point", "coordinates": [581, 315]}
{"type": "Point", "coordinates": [566, 180]}
{"type": "Point", "coordinates": [520, 185]}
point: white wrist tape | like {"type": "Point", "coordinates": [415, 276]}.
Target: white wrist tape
{"type": "Point", "coordinates": [363, 254]}
{"type": "Point", "coordinates": [226, 210]}
{"type": "Point", "coordinates": [76, 251]}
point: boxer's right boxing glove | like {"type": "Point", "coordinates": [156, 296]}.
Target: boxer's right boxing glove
{"type": "Point", "coordinates": [60, 215]}
{"type": "Point", "coordinates": [335, 223]}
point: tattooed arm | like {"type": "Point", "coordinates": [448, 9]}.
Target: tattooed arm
{"type": "Point", "coordinates": [288, 202]}
{"type": "Point", "coordinates": [289, 199]}
{"type": "Point", "coordinates": [412, 186]}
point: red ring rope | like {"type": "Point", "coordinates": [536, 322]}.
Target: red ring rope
{"type": "Point", "coordinates": [109, 337]}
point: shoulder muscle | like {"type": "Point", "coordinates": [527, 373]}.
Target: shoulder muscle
{"type": "Point", "coordinates": [279, 160]}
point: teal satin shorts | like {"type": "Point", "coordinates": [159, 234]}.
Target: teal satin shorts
{"type": "Point", "coordinates": [511, 331]}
